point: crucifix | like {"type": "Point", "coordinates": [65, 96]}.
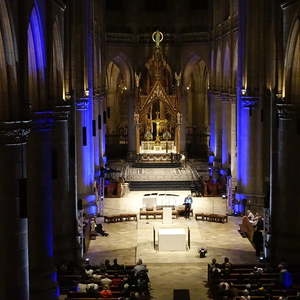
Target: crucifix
{"type": "Point", "coordinates": [158, 123]}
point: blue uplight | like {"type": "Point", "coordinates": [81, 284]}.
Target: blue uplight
{"type": "Point", "coordinates": [36, 41]}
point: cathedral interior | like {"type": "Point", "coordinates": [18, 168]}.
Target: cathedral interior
{"type": "Point", "coordinates": [96, 97]}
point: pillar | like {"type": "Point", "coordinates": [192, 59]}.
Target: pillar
{"type": "Point", "coordinates": [43, 283]}
{"type": "Point", "coordinates": [212, 125]}
{"type": "Point", "coordinates": [84, 177]}
{"type": "Point", "coordinates": [65, 229]}
{"type": "Point", "coordinates": [102, 129]}
{"type": "Point", "coordinates": [233, 140]}
{"type": "Point", "coordinates": [131, 127]}
{"type": "Point", "coordinates": [250, 180]}
{"type": "Point", "coordinates": [250, 103]}
{"type": "Point", "coordinates": [96, 133]}
{"type": "Point", "coordinates": [218, 130]}
{"type": "Point", "coordinates": [285, 207]}
{"type": "Point", "coordinates": [14, 271]}
{"type": "Point", "coordinates": [183, 110]}
{"type": "Point", "coordinates": [226, 131]}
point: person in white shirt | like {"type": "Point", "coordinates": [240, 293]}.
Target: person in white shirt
{"type": "Point", "coordinates": [250, 215]}
{"type": "Point", "coordinates": [139, 267]}
{"type": "Point", "coordinates": [106, 282]}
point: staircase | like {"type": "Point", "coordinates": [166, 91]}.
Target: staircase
{"type": "Point", "coordinates": [160, 185]}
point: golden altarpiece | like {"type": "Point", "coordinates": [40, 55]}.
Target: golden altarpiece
{"type": "Point", "coordinates": [157, 116]}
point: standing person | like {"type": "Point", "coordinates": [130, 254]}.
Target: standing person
{"type": "Point", "coordinates": [188, 204]}
{"type": "Point", "coordinates": [250, 215]}
{"type": "Point", "coordinates": [258, 241]}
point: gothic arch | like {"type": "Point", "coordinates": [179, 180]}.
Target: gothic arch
{"type": "Point", "coordinates": [196, 77]}
{"type": "Point", "coordinates": [226, 68]}
{"type": "Point", "coordinates": [234, 64]}
{"type": "Point", "coordinates": [219, 69]}
{"type": "Point", "coordinates": [121, 61]}
{"type": "Point", "coordinates": [8, 59]}
{"type": "Point", "coordinates": [291, 88]}
{"type": "Point", "coordinates": [36, 60]}
{"type": "Point", "coordinates": [57, 65]}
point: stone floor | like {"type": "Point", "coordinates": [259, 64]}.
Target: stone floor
{"type": "Point", "coordinates": [129, 241]}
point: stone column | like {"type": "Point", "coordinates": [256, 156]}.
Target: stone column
{"type": "Point", "coordinates": [43, 283]}
{"type": "Point", "coordinates": [226, 131]}
{"type": "Point", "coordinates": [285, 207]}
{"type": "Point", "coordinates": [249, 156]}
{"type": "Point", "coordinates": [183, 110]}
{"type": "Point", "coordinates": [96, 133]}
{"type": "Point", "coordinates": [137, 132]}
{"type": "Point", "coordinates": [102, 128]}
{"type": "Point", "coordinates": [65, 229]}
{"type": "Point", "coordinates": [218, 131]}
{"type": "Point", "coordinates": [233, 128]}
{"type": "Point", "coordinates": [212, 125]}
{"type": "Point", "coordinates": [14, 271]}
{"type": "Point", "coordinates": [84, 181]}
{"type": "Point", "coordinates": [251, 97]}
{"type": "Point", "coordinates": [131, 127]}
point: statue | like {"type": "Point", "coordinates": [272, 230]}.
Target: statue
{"type": "Point", "coordinates": [136, 118]}
{"type": "Point", "coordinates": [157, 38]}
{"type": "Point", "coordinates": [179, 119]}
{"type": "Point", "coordinates": [137, 79]}
{"type": "Point", "coordinates": [178, 79]}
{"type": "Point", "coordinates": [158, 123]}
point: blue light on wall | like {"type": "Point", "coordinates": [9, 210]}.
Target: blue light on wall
{"type": "Point", "coordinates": [212, 141]}
{"type": "Point", "coordinates": [242, 144]}
{"type": "Point", "coordinates": [36, 43]}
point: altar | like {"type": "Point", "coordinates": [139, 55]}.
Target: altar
{"type": "Point", "coordinates": [152, 147]}
{"type": "Point", "coordinates": [171, 239]}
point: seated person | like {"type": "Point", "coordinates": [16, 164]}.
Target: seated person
{"type": "Point", "coordinates": [107, 264]}
{"type": "Point", "coordinates": [106, 292]}
{"type": "Point", "coordinates": [246, 295]}
{"type": "Point", "coordinates": [260, 291]}
{"type": "Point", "coordinates": [115, 265]}
{"type": "Point", "coordinates": [99, 229]}
{"type": "Point", "coordinates": [139, 267]}
{"type": "Point", "coordinates": [226, 266]}
{"type": "Point", "coordinates": [106, 282]}
{"type": "Point", "coordinates": [82, 287]}
{"type": "Point", "coordinates": [214, 269]}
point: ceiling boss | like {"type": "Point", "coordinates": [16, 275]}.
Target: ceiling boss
{"type": "Point", "coordinates": [157, 38]}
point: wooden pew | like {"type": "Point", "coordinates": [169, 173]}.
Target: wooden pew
{"type": "Point", "coordinates": [211, 217]}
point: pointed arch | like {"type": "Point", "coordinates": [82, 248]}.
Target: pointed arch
{"type": "Point", "coordinates": [8, 60]}
{"type": "Point", "coordinates": [196, 78]}
{"type": "Point", "coordinates": [219, 69]}
{"type": "Point", "coordinates": [36, 59]}
{"type": "Point", "coordinates": [226, 69]}
{"type": "Point", "coordinates": [291, 85]}
{"type": "Point", "coordinates": [57, 65]}
{"type": "Point", "coordinates": [234, 64]}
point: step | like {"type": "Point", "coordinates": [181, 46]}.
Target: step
{"type": "Point", "coordinates": [159, 185]}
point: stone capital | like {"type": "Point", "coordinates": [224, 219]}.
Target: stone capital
{"type": "Point", "coordinates": [42, 120]}
{"type": "Point", "coordinates": [62, 112]}
{"type": "Point", "coordinates": [286, 111]}
{"type": "Point", "coordinates": [82, 104]}
{"type": "Point", "coordinates": [249, 102]}
{"type": "Point", "coordinates": [14, 132]}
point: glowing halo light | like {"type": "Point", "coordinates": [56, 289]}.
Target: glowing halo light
{"type": "Point", "coordinates": [157, 37]}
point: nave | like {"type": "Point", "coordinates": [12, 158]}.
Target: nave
{"type": "Point", "coordinates": [129, 241]}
